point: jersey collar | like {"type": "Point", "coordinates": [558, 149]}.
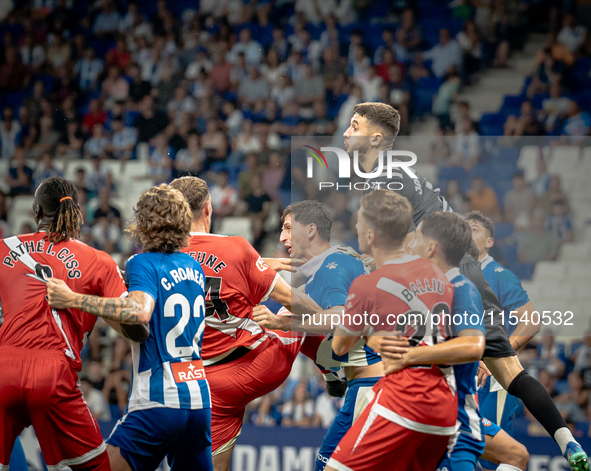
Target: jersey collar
{"type": "Point", "coordinates": [485, 261]}
{"type": "Point", "coordinates": [309, 268]}
{"type": "Point", "coordinates": [452, 273]}
{"type": "Point", "coordinates": [405, 259]}
{"type": "Point", "coordinates": [205, 234]}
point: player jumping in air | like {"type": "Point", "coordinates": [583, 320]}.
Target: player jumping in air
{"type": "Point", "coordinates": [329, 271]}
{"type": "Point", "coordinates": [168, 413]}
{"type": "Point", "coordinates": [237, 352]}
{"type": "Point", "coordinates": [40, 346]}
{"type": "Point", "coordinates": [374, 127]}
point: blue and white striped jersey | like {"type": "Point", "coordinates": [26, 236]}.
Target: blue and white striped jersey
{"type": "Point", "coordinates": [467, 300]}
{"type": "Point", "coordinates": [330, 276]}
{"type": "Point", "coordinates": [167, 367]}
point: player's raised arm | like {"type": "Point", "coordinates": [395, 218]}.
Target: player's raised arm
{"type": "Point", "coordinates": [134, 309]}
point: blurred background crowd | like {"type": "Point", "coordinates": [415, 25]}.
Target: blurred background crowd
{"type": "Point", "coordinates": [119, 95]}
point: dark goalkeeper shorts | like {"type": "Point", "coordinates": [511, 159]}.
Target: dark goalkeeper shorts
{"type": "Point", "coordinates": [497, 338]}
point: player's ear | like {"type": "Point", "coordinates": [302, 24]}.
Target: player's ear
{"type": "Point", "coordinates": [376, 139]}
{"type": "Point", "coordinates": [312, 230]}
{"type": "Point", "coordinates": [38, 213]}
{"type": "Point", "coordinates": [489, 242]}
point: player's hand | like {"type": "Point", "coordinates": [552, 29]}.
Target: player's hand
{"type": "Point", "coordinates": [59, 294]}
{"type": "Point", "coordinates": [483, 374]}
{"type": "Point", "coordinates": [392, 366]}
{"type": "Point", "coordinates": [390, 345]}
{"type": "Point", "coordinates": [263, 316]}
{"type": "Point", "coordinates": [288, 264]}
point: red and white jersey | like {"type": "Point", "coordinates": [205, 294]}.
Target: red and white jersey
{"type": "Point", "coordinates": [29, 321]}
{"type": "Point", "coordinates": [236, 280]}
{"type": "Point", "coordinates": [402, 295]}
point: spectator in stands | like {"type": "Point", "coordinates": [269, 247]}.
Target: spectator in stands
{"type": "Point", "coordinates": [326, 408]}
{"type": "Point", "coordinates": [223, 197]}
{"type": "Point", "coordinates": [201, 64]}
{"type": "Point", "coordinates": [252, 87]}
{"type": "Point", "coordinates": [95, 115]}
{"type": "Point", "coordinates": [559, 223]}
{"type": "Point", "coordinates": [484, 199]}
{"type": "Point", "coordinates": [107, 21]}
{"type": "Point", "coordinates": [4, 228]}
{"type": "Point", "coordinates": [310, 88]}
{"type": "Point", "coordinates": [88, 69]}
{"type": "Point", "coordinates": [470, 42]}
{"type": "Point", "coordinates": [106, 210]}
{"type": "Point", "coordinates": [549, 352]}
{"type": "Point", "coordinates": [32, 53]}
{"type": "Point", "coordinates": [582, 355]}
{"type": "Point", "coordinates": [71, 143]}
{"type": "Point", "coordinates": [95, 400]}
{"type": "Point", "coordinates": [299, 411]}
{"type": "Point", "coordinates": [20, 176]}
{"type": "Point", "coordinates": [10, 133]}
{"type": "Point", "coordinates": [273, 175]}
{"type": "Point", "coordinates": [358, 64]}
{"type": "Point", "coordinates": [252, 50]}
{"type": "Point", "coordinates": [578, 122]}
{"type": "Point", "coordinates": [189, 161]}
{"type": "Point", "coordinates": [115, 88]}
{"type": "Point", "coordinates": [123, 140]}
{"type": "Point", "coordinates": [549, 382]}
{"type": "Point", "coordinates": [440, 149]}
{"type": "Point", "coordinates": [524, 125]}
{"type": "Point", "coordinates": [541, 183]}
{"type": "Point", "coordinates": [409, 34]}
{"type": "Point", "coordinates": [467, 146]}
{"type": "Point", "coordinates": [283, 92]}
{"type": "Point", "coordinates": [273, 68]}
{"type": "Point", "coordinates": [445, 55]}
{"type": "Point", "coordinates": [370, 84]}
{"type": "Point", "coordinates": [555, 108]}
{"type": "Point", "coordinates": [45, 169]}
{"type": "Point", "coordinates": [519, 202]}
{"type": "Point", "coordinates": [257, 207]}
{"type": "Point", "coordinates": [249, 168]}
{"type": "Point", "coordinates": [446, 96]}
{"type": "Point", "coordinates": [536, 244]}
{"type": "Point", "coordinates": [572, 403]}
{"type": "Point", "coordinates": [98, 144]}
{"type": "Point", "coordinates": [98, 177]}
{"type": "Point", "coordinates": [571, 35]}
{"type": "Point", "coordinates": [150, 122]}
{"type": "Point", "coordinates": [418, 69]}
{"type": "Point", "coordinates": [14, 75]}
{"type": "Point", "coordinates": [139, 88]}
{"type": "Point", "coordinates": [214, 142]}
{"type": "Point", "coordinates": [553, 193]}
{"type": "Point", "coordinates": [160, 159]}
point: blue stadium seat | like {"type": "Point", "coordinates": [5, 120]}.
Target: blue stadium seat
{"type": "Point", "coordinates": [512, 101]}
{"type": "Point", "coordinates": [491, 124]}
{"type": "Point", "coordinates": [538, 99]}
{"type": "Point", "coordinates": [452, 173]}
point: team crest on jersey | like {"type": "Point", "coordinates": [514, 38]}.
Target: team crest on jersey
{"type": "Point", "coordinates": [261, 265]}
{"type": "Point", "coordinates": [486, 422]}
{"type": "Point", "coordinates": [331, 266]}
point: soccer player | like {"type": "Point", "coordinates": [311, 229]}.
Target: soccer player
{"type": "Point", "coordinates": [374, 127]}
{"type": "Point", "coordinates": [329, 272]}
{"type": "Point", "coordinates": [415, 408]}
{"type": "Point", "coordinates": [495, 403]}
{"type": "Point", "coordinates": [40, 346]}
{"type": "Point", "coordinates": [168, 413]}
{"type": "Point", "coordinates": [237, 352]}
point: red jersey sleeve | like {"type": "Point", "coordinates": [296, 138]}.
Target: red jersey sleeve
{"type": "Point", "coordinates": [357, 303]}
{"type": "Point", "coordinates": [261, 278]}
{"type": "Point", "coordinates": [110, 282]}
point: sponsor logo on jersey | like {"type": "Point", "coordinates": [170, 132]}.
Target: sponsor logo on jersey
{"type": "Point", "coordinates": [331, 266]}
{"type": "Point", "coordinates": [261, 265]}
{"type": "Point", "coordinates": [184, 371]}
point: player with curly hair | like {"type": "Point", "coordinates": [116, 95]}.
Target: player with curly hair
{"type": "Point", "coordinates": [169, 408]}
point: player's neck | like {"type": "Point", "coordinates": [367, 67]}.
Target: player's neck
{"type": "Point", "coordinates": [445, 267]}
{"type": "Point", "coordinates": [44, 224]}
{"type": "Point", "coordinates": [316, 250]}
{"type": "Point", "coordinates": [200, 226]}
{"type": "Point", "coordinates": [368, 160]}
{"type": "Point", "coordinates": [382, 254]}
{"type": "Point", "coordinates": [482, 255]}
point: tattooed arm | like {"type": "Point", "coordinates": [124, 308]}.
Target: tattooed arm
{"type": "Point", "coordinates": [134, 309]}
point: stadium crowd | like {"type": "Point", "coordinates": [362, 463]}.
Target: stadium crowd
{"type": "Point", "coordinates": [218, 92]}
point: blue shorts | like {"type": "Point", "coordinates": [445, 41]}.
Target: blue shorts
{"type": "Point", "coordinates": [145, 437]}
{"type": "Point", "coordinates": [463, 453]}
{"type": "Point", "coordinates": [353, 406]}
{"type": "Point", "coordinates": [499, 408]}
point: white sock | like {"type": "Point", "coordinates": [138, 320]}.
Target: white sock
{"type": "Point", "coordinates": [507, 467]}
{"type": "Point", "coordinates": [562, 437]}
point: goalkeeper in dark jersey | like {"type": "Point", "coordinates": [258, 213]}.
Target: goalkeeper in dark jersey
{"type": "Point", "coordinates": [374, 126]}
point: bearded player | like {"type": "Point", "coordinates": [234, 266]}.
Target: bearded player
{"type": "Point", "coordinates": [374, 126]}
{"type": "Point", "coordinates": [237, 352]}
